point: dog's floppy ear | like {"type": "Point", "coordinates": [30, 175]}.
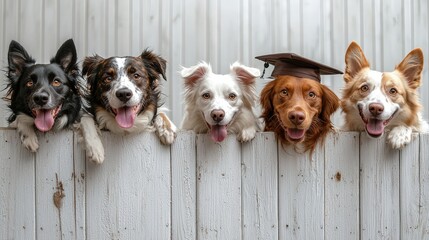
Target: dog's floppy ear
{"type": "Point", "coordinates": [66, 56]}
{"type": "Point", "coordinates": [155, 63]}
{"type": "Point", "coordinates": [90, 64]}
{"type": "Point", "coordinates": [330, 104]}
{"type": "Point", "coordinates": [355, 61]}
{"type": "Point", "coordinates": [411, 67]}
{"type": "Point", "coordinates": [266, 101]}
{"type": "Point", "coordinates": [192, 74]}
{"type": "Point", "coordinates": [246, 75]}
{"type": "Point", "coordinates": [18, 60]}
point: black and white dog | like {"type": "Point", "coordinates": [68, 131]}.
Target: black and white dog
{"type": "Point", "coordinates": [123, 98]}
{"type": "Point", "coordinates": [42, 96]}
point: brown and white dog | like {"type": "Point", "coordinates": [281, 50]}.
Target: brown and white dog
{"type": "Point", "coordinates": [221, 104]}
{"type": "Point", "coordinates": [377, 101]}
{"type": "Point", "coordinates": [298, 111]}
{"type": "Point", "coordinates": [123, 98]}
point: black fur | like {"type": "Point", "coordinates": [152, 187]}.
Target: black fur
{"type": "Point", "coordinates": [30, 83]}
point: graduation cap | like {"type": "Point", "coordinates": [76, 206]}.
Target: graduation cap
{"type": "Point", "coordinates": [295, 65]}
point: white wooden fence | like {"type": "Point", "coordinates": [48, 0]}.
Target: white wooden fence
{"type": "Point", "coordinates": [353, 187]}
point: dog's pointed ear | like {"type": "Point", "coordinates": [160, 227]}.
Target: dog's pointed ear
{"type": "Point", "coordinates": [246, 75]}
{"type": "Point", "coordinates": [355, 61]}
{"type": "Point", "coordinates": [155, 63]}
{"type": "Point", "coordinates": [18, 60]}
{"type": "Point", "coordinates": [66, 56]}
{"type": "Point", "coordinates": [192, 74]}
{"type": "Point", "coordinates": [330, 103]}
{"type": "Point", "coordinates": [411, 67]}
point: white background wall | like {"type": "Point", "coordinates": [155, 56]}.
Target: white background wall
{"type": "Point", "coordinates": [185, 32]}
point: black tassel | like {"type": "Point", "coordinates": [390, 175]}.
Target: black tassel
{"type": "Point", "coordinates": [266, 65]}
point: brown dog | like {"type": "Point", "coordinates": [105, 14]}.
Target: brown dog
{"type": "Point", "coordinates": [298, 110]}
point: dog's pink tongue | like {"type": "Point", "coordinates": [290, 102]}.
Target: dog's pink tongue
{"type": "Point", "coordinates": [295, 133]}
{"type": "Point", "coordinates": [125, 117]}
{"type": "Point", "coordinates": [218, 133]}
{"type": "Point", "coordinates": [375, 127]}
{"type": "Point", "coordinates": [44, 120]}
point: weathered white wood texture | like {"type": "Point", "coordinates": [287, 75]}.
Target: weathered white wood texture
{"type": "Point", "coordinates": [352, 187]}
{"type": "Point", "coordinates": [219, 32]}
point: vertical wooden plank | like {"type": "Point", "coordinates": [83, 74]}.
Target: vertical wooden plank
{"type": "Point", "coordinates": [392, 29]}
{"type": "Point", "coordinates": [79, 163]}
{"type": "Point", "coordinates": [259, 187]}
{"type": "Point", "coordinates": [128, 196]}
{"type": "Point", "coordinates": [342, 186]}
{"type": "Point", "coordinates": [96, 41]}
{"type": "Point", "coordinates": [17, 188]}
{"type": "Point", "coordinates": [420, 19]}
{"type": "Point", "coordinates": [49, 40]}
{"type": "Point", "coordinates": [55, 202]}
{"type": "Point", "coordinates": [295, 27]}
{"type": "Point", "coordinates": [183, 186]}
{"type": "Point", "coordinates": [311, 30]}
{"type": "Point", "coordinates": [423, 227]}
{"type": "Point", "coordinates": [409, 176]}
{"type": "Point", "coordinates": [176, 60]}
{"type": "Point", "coordinates": [30, 28]}
{"type": "Point", "coordinates": [80, 29]}
{"type": "Point", "coordinates": [151, 24]}
{"type": "Point", "coordinates": [111, 28]}
{"type": "Point", "coordinates": [123, 32]}
{"type": "Point", "coordinates": [218, 188]}
{"type": "Point", "coordinates": [65, 22]}
{"type": "Point", "coordinates": [379, 189]}
{"type": "Point", "coordinates": [214, 35]}
{"type": "Point", "coordinates": [301, 194]}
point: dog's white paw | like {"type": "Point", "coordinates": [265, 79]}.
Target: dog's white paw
{"type": "Point", "coordinates": [246, 134]}
{"type": "Point", "coordinates": [399, 136]}
{"type": "Point", "coordinates": [165, 129]}
{"type": "Point", "coordinates": [95, 151]}
{"type": "Point", "coordinates": [30, 142]}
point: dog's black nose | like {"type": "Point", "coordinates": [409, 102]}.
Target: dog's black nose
{"type": "Point", "coordinates": [376, 109]}
{"type": "Point", "coordinates": [41, 98]}
{"type": "Point", "coordinates": [296, 117]}
{"type": "Point", "coordinates": [217, 115]}
{"type": "Point", "coordinates": [124, 94]}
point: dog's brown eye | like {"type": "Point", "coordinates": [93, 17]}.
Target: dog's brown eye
{"type": "Point", "coordinates": [312, 94]}
{"type": "Point", "coordinates": [56, 83]}
{"type": "Point", "coordinates": [136, 76]}
{"type": "Point", "coordinates": [232, 96]}
{"type": "Point", "coordinates": [364, 88]}
{"type": "Point", "coordinates": [206, 95]}
{"type": "Point", "coordinates": [393, 91]}
{"type": "Point", "coordinates": [284, 92]}
{"type": "Point", "coordinates": [29, 83]}
{"type": "Point", "coordinates": [108, 79]}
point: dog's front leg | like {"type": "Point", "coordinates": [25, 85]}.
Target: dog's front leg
{"type": "Point", "coordinates": [400, 136]}
{"type": "Point", "coordinates": [93, 145]}
{"type": "Point", "coordinates": [25, 126]}
{"type": "Point", "coordinates": [251, 126]}
{"type": "Point", "coordinates": [165, 129]}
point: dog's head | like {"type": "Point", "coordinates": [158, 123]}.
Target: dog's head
{"type": "Point", "coordinates": [298, 110]}
{"type": "Point", "coordinates": [375, 100]}
{"type": "Point", "coordinates": [217, 99]}
{"type": "Point", "coordinates": [124, 86]}
{"type": "Point", "coordinates": [46, 92]}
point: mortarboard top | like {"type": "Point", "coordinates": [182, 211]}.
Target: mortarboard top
{"type": "Point", "coordinates": [295, 65]}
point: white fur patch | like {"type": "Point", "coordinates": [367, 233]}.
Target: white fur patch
{"type": "Point", "coordinates": [238, 112]}
{"type": "Point", "coordinates": [25, 126]}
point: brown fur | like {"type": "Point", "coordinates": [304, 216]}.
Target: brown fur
{"type": "Point", "coordinates": [317, 110]}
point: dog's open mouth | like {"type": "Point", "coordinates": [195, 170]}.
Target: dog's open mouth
{"type": "Point", "coordinates": [218, 133]}
{"type": "Point", "coordinates": [295, 134]}
{"type": "Point", "coordinates": [373, 126]}
{"type": "Point", "coordinates": [125, 116]}
{"type": "Point", "coordinates": [44, 119]}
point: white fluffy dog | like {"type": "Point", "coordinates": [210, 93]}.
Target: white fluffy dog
{"type": "Point", "coordinates": [221, 104]}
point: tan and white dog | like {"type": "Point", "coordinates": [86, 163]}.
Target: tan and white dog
{"type": "Point", "coordinates": [377, 101]}
{"type": "Point", "coordinates": [221, 104]}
